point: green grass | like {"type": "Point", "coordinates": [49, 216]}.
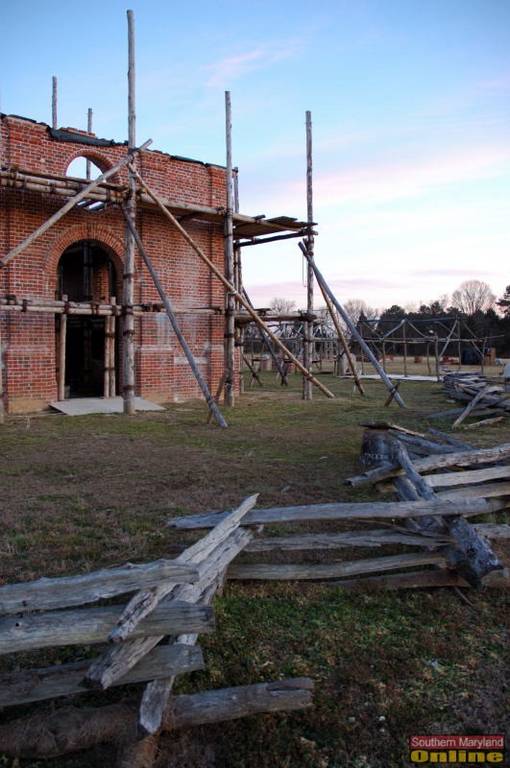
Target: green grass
{"type": "Point", "coordinates": [83, 492]}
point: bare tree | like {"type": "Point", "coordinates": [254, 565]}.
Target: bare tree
{"type": "Point", "coordinates": [282, 306]}
{"type": "Point", "coordinates": [357, 307]}
{"type": "Point", "coordinates": [473, 296]}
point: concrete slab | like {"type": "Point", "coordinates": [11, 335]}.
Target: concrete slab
{"type": "Point", "coordinates": [84, 406]}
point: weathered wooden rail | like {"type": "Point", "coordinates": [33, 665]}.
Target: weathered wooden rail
{"type": "Point", "coordinates": [170, 602]}
{"type": "Point", "coordinates": [479, 397]}
{"type": "Point", "coordinates": [440, 484]}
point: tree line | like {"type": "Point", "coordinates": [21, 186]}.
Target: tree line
{"type": "Point", "coordinates": [474, 302]}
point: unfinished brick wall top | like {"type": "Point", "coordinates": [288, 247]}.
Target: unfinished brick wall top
{"type": "Point", "coordinates": [29, 342]}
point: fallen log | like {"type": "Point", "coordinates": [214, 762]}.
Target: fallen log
{"type": "Point", "coordinates": [67, 679]}
{"type": "Point", "coordinates": [346, 511]}
{"type": "Point", "coordinates": [70, 729]}
{"type": "Point", "coordinates": [65, 591]}
{"type": "Point", "coordinates": [93, 625]}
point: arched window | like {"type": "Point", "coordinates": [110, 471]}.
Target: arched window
{"type": "Point", "coordinates": [83, 168]}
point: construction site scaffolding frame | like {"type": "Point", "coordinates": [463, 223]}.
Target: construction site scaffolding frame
{"type": "Point", "coordinates": [237, 303]}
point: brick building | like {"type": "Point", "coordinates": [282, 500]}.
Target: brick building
{"type": "Point", "coordinates": [76, 267]}
{"type": "Point", "coordinates": [82, 256]}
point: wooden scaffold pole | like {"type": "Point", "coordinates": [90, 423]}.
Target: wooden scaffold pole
{"type": "Point", "coordinates": [2, 405]}
{"type": "Point", "coordinates": [229, 286]}
{"type": "Point", "coordinates": [340, 333]}
{"type": "Point", "coordinates": [128, 325]}
{"type": "Point", "coordinates": [308, 345]}
{"type": "Point", "coordinates": [229, 263]}
{"type": "Point", "coordinates": [88, 165]}
{"type": "Point", "coordinates": [211, 402]}
{"type": "Point", "coordinates": [238, 283]}
{"type": "Point", "coordinates": [356, 334]}
{"type": "Point", "coordinates": [404, 340]}
{"type": "Point", "coordinates": [54, 102]}
{"type": "Point", "coordinates": [62, 346]}
{"type": "Point", "coordinates": [81, 195]}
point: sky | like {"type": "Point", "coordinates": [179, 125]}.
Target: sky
{"type": "Point", "coordinates": [410, 102]}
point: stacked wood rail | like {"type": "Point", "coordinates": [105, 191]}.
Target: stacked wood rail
{"type": "Point", "coordinates": [151, 639]}
{"type": "Point", "coordinates": [468, 552]}
{"type": "Point", "coordinates": [440, 483]}
{"type": "Point", "coordinates": [451, 482]}
{"type": "Point", "coordinates": [479, 397]}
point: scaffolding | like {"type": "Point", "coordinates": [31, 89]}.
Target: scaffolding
{"type": "Point", "coordinates": [432, 338]}
{"type": "Point", "coordinates": [240, 231]}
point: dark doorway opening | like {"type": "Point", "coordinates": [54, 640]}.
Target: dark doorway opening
{"type": "Point", "coordinates": [86, 273]}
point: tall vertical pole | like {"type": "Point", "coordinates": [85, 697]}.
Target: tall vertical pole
{"type": "Point", "coordinates": [436, 355]}
{"type": "Point", "coordinates": [238, 283]}
{"type": "Point", "coordinates": [2, 406]}
{"type": "Point", "coordinates": [62, 346]}
{"type": "Point", "coordinates": [128, 330]}
{"type": "Point", "coordinates": [308, 325]}
{"type": "Point", "coordinates": [459, 345]}
{"type": "Point", "coordinates": [89, 130]}
{"type": "Point", "coordinates": [106, 366]}
{"type": "Point", "coordinates": [54, 99]}
{"type": "Point", "coordinates": [111, 362]}
{"type": "Point", "coordinates": [404, 339]}
{"type": "Point", "coordinates": [229, 264]}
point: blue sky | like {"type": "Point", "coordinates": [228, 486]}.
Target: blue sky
{"type": "Point", "coordinates": [411, 113]}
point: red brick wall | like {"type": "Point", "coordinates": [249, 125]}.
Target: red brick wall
{"type": "Point", "coordinates": [28, 340]}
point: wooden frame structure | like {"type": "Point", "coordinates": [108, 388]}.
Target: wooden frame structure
{"type": "Point", "coordinates": [441, 334]}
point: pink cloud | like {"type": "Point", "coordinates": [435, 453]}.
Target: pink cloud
{"type": "Point", "coordinates": [382, 182]}
{"type": "Point", "coordinates": [230, 68]}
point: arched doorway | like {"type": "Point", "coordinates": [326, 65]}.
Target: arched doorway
{"type": "Point", "coordinates": [87, 273]}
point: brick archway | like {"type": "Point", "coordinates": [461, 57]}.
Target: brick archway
{"type": "Point", "coordinates": [102, 162]}
{"type": "Point", "coordinates": [102, 235]}
{"type": "Point", "coordinates": [100, 159]}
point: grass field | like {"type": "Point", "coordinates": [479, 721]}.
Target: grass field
{"type": "Point", "coordinates": [78, 493]}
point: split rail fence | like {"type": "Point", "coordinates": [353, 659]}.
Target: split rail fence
{"type": "Point", "coordinates": [479, 396]}
{"type": "Point", "coordinates": [439, 484]}
{"type": "Point", "coordinates": [150, 639]}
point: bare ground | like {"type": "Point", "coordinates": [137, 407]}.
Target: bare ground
{"type": "Point", "coordinates": [77, 493]}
